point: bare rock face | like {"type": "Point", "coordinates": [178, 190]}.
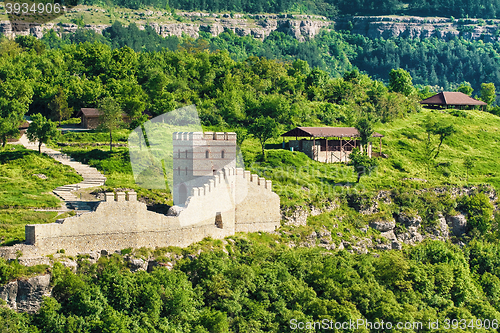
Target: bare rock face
{"type": "Point", "coordinates": [458, 224]}
{"type": "Point", "coordinates": [383, 225]}
{"type": "Point", "coordinates": [396, 245]}
{"type": "Point", "coordinates": [26, 295]}
{"type": "Point", "coordinates": [442, 229]}
{"type": "Point", "coordinates": [417, 27]}
{"type": "Point", "coordinates": [411, 237]}
{"type": "Point", "coordinates": [389, 235]}
{"type": "Point", "coordinates": [298, 217]}
{"type": "Point", "coordinates": [409, 221]}
{"type": "Point", "coordinates": [138, 265]}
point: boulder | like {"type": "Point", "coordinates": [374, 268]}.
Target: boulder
{"type": "Point", "coordinates": [71, 264]}
{"type": "Point", "coordinates": [383, 225]}
{"type": "Point", "coordinates": [383, 246]}
{"type": "Point", "coordinates": [174, 211]}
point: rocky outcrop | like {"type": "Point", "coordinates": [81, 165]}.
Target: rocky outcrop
{"type": "Point", "coordinates": [298, 215]}
{"type": "Point", "coordinates": [419, 27]}
{"type": "Point", "coordinates": [409, 221]}
{"type": "Point", "coordinates": [136, 265]}
{"type": "Point", "coordinates": [458, 224]}
{"type": "Point", "coordinates": [259, 26]}
{"type": "Point", "coordinates": [383, 225]}
{"type": "Point", "coordinates": [26, 295]}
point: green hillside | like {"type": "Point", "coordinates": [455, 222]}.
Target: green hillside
{"type": "Point", "coordinates": [259, 282]}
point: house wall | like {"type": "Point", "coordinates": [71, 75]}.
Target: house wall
{"type": "Point", "coordinates": [90, 123]}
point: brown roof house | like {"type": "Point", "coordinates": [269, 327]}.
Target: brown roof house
{"type": "Point", "coordinates": [90, 117]}
{"type": "Point", "coordinates": [327, 144]}
{"type": "Point", "coordinates": [447, 99]}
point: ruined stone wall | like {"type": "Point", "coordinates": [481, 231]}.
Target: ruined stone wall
{"type": "Point", "coordinates": [232, 201]}
{"type": "Point", "coordinates": [260, 208]}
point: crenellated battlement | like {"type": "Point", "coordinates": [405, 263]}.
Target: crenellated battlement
{"type": "Point", "coordinates": [120, 196]}
{"type": "Point", "coordinates": [212, 197]}
{"type": "Point", "coordinates": [226, 174]}
{"type": "Point", "coordinates": [206, 136]}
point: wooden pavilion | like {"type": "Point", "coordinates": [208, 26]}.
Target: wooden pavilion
{"type": "Point", "coordinates": [327, 144]}
{"type": "Point", "coordinates": [447, 99]}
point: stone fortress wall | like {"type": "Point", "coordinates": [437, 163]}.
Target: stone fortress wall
{"type": "Point", "coordinates": [229, 201]}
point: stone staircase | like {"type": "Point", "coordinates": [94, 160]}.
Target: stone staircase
{"type": "Point", "coordinates": [91, 177]}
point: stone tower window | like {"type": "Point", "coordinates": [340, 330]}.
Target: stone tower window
{"type": "Point", "coordinates": [179, 153]}
{"type": "Point", "coordinates": [222, 154]}
{"type": "Point", "coordinates": [206, 154]}
{"type": "Point", "coordinates": [178, 170]}
{"type": "Point", "coordinates": [186, 170]}
{"type": "Point", "coordinates": [186, 153]}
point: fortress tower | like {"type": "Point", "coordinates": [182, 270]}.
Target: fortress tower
{"type": "Point", "coordinates": [197, 157]}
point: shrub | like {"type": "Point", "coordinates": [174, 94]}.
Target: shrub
{"type": "Point", "coordinates": [458, 113]}
{"type": "Point", "coordinates": [479, 211]}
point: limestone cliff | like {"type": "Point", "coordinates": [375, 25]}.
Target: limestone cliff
{"type": "Point", "coordinates": [420, 27]}
{"type": "Point", "coordinates": [300, 27]}
{"type": "Point", "coordinates": [26, 295]}
{"type": "Point", "coordinates": [258, 26]}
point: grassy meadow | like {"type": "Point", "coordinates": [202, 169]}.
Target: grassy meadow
{"type": "Point", "coordinates": [297, 179]}
{"type": "Point", "coordinates": [22, 191]}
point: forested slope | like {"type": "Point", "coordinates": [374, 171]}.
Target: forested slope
{"type": "Point", "coordinates": [331, 8]}
{"type": "Point", "coordinates": [441, 64]}
{"type": "Point", "coordinates": [260, 286]}
{"type": "Point", "coordinates": [260, 282]}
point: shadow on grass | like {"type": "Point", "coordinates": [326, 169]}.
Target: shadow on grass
{"type": "Point", "coordinates": [8, 156]}
{"type": "Point", "coordinates": [12, 242]}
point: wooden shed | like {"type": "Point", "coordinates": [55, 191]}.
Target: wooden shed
{"type": "Point", "coordinates": [90, 117]}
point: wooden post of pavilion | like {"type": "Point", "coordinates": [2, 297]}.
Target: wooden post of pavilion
{"type": "Point", "coordinates": [380, 146]}
{"type": "Point", "coordinates": [341, 149]}
{"type": "Point", "coordinates": [326, 138]}
{"type": "Point", "coordinates": [314, 148]}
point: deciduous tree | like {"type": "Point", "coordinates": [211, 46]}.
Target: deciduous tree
{"type": "Point", "coordinates": [41, 129]}
{"type": "Point", "coordinates": [263, 129]}
{"type": "Point", "coordinates": [400, 81]}
{"type": "Point", "coordinates": [488, 94]}
{"type": "Point", "coordinates": [59, 106]}
{"type": "Point", "coordinates": [15, 98]}
{"type": "Point", "coordinates": [363, 165]}
{"type": "Point", "coordinates": [365, 129]}
{"type": "Point", "coordinates": [465, 88]}
{"type": "Point", "coordinates": [110, 118]}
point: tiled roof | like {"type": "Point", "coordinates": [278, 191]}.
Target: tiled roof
{"type": "Point", "coordinates": [452, 98]}
{"type": "Point", "coordinates": [327, 132]}
{"type": "Point", "coordinates": [89, 112]}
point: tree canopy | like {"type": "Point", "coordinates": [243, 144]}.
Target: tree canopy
{"type": "Point", "coordinates": [42, 130]}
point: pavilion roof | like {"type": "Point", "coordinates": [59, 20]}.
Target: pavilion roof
{"type": "Point", "coordinates": [451, 98]}
{"type": "Point", "coordinates": [327, 132]}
